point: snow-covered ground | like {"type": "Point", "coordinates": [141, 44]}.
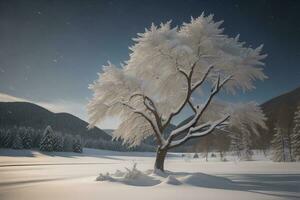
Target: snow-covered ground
{"type": "Point", "coordinates": [30, 175]}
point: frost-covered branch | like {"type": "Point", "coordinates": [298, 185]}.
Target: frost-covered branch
{"type": "Point", "coordinates": [192, 106]}
{"type": "Point", "coordinates": [199, 111]}
{"type": "Point", "coordinates": [195, 132]}
{"type": "Point", "coordinates": [194, 86]}
{"type": "Point", "coordinates": [150, 105]}
{"type": "Point", "coordinates": [151, 122]}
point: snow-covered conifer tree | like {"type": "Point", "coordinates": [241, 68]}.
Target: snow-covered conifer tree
{"type": "Point", "coordinates": [236, 144]}
{"type": "Point", "coordinates": [241, 143]}
{"type": "Point", "coordinates": [27, 136]}
{"type": "Point", "coordinates": [166, 68]}
{"type": "Point", "coordinates": [280, 146]}
{"type": "Point", "coordinates": [2, 136]}
{"type": "Point", "coordinates": [58, 142]}
{"type": "Point", "coordinates": [47, 140]}
{"type": "Point", "coordinates": [7, 138]}
{"type": "Point", "coordinates": [77, 145]}
{"type": "Point", "coordinates": [17, 142]}
{"type": "Point", "coordinates": [295, 136]}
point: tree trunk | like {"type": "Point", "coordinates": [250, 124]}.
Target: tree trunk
{"type": "Point", "coordinates": [160, 159]}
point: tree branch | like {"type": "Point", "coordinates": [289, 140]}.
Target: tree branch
{"type": "Point", "coordinates": [198, 83]}
{"type": "Point", "coordinates": [192, 106]}
{"type": "Point", "coordinates": [194, 132]}
{"type": "Point", "coordinates": [156, 130]}
{"type": "Point", "coordinates": [199, 112]}
{"type": "Point", "coordinates": [152, 108]}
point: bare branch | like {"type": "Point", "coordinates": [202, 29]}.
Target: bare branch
{"type": "Point", "coordinates": [151, 107]}
{"type": "Point", "coordinates": [199, 112]}
{"type": "Point", "coordinates": [198, 83]}
{"type": "Point", "coordinates": [192, 106]}
{"type": "Point", "coordinates": [155, 128]}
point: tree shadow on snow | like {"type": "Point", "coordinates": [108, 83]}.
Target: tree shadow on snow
{"type": "Point", "coordinates": [268, 184]}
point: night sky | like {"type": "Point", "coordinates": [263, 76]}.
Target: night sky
{"type": "Point", "coordinates": [51, 50]}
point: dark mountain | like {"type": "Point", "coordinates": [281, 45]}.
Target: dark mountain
{"type": "Point", "coordinates": [32, 115]}
{"type": "Point", "coordinates": [280, 111]}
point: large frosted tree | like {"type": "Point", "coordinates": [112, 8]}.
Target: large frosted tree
{"type": "Point", "coordinates": [172, 68]}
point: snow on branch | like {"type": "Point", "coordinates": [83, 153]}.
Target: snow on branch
{"type": "Point", "coordinates": [196, 132]}
{"type": "Point", "coordinates": [199, 111]}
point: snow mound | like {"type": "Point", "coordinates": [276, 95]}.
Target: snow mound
{"type": "Point", "coordinates": [205, 180]}
{"type": "Point", "coordinates": [171, 180]}
{"type": "Point", "coordinates": [130, 177]}
{"type": "Point", "coordinates": [135, 177]}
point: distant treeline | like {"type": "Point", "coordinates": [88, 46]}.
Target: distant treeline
{"type": "Point", "coordinates": [45, 140]}
{"type": "Point", "coordinates": [49, 140]}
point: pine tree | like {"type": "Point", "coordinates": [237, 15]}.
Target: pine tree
{"type": "Point", "coordinates": [77, 146]}
{"type": "Point", "coordinates": [280, 146]}
{"type": "Point", "coordinates": [241, 142]}
{"type": "Point", "coordinates": [236, 144]}
{"type": "Point", "coordinates": [8, 138]}
{"type": "Point", "coordinates": [27, 137]}
{"type": "Point", "coordinates": [47, 140]}
{"type": "Point", "coordinates": [58, 142]}
{"type": "Point", "coordinates": [295, 136]}
{"type": "Point", "coordinates": [2, 137]}
{"type": "Point", "coordinates": [17, 142]}
{"type": "Point", "coordinates": [196, 155]}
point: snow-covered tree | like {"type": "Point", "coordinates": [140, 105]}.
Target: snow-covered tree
{"type": "Point", "coordinates": [17, 142]}
{"type": "Point", "coordinates": [167, 69]}
{"type": "Point", "coordinates": [27, 137]}
{"type": "Point", "coordinates": [77, 145]}
{"type": "Point", "coordinates": [236, 144]}
{"type": "Point", "coordinates": [281, 146]}
{"type": "Point", "coordinates": [295, 136]}
{"type": "Point", "coordinates": [58, 142]}
{"type": "Point", "coordinates": [6, 138]}
{"type": "Point", "coordinates": [241, 143]}
{"type": "Point", "coordinates": [47, 140]}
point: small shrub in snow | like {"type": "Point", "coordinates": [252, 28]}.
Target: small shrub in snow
{"type": "Point", "coordinates": [132, 173]}
{"type": "Point", "coordinates": [196, 155]}
{"type": "Point", "coordinates": [128, 175]}
{"type": "Point", "coordinates": [104, 177]}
